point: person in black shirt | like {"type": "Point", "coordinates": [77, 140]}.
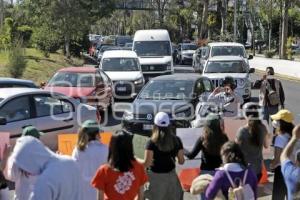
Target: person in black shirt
{"type": "Point", "coordinates": [160, 158]}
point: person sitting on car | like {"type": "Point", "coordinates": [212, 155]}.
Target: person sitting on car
{"type": "Point", "coordinates": [226, 98]}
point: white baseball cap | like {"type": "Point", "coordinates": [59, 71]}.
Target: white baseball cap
{"type": "Point", "coordinates": [162, 119]}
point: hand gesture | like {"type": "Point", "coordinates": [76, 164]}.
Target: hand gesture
{"type": "Point", "coordinates": [296, 132]}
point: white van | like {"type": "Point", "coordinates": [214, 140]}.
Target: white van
{"type": "Point", "coordinates": [154, 50]}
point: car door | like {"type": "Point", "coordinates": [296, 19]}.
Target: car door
{"type": "Point", "coordinates": [18, 114]}
{"type": "Point", "coordinates": [53, 116]}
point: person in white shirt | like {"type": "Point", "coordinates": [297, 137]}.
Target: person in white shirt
{"type": "Point", "coordinates": [226, 98]}
{"type": "Point", "coordinates": [90, 154]}
{"type": "Point", "coordinates": [58, 177]}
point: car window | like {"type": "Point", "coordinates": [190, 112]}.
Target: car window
{"type": "Point", "coordinates": [226, 67]}
{"type": "Point", "coordinates": [228, 51]}
{"type": "Point", "coordinates": [72, 79]}
{"type": "Point", "coordinates": [99, 78]}
{"type": "Point", "coordinates": [207, 85]}
{"type": "Point", "coordinates": [47, 105]}
{"type": "Point", "coordinates": [105, 78]}
{"type": "Point", "coordinates": [120, 64]}
{"type": "Point", "coordinates": [17, 109]}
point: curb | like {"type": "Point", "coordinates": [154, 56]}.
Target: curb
{"type": "Point", "coordinates": [280, 76]}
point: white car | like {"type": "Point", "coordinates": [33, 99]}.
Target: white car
{"type": "Point", "coordinates": [51, 113]}
{"type": "Point", "coordinates": [185, 53]}
{"type": "Point", "coordinates": [219, 67]}
{"type": "Point", "coordinates": [123, 68]}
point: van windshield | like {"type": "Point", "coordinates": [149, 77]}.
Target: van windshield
{"type": "Point", "coordinates": [152, 48]}
{"type": "Point", "coordinates": [228, 51]}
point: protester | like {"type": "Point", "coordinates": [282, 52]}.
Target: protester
{"type": "Point", "coordinates": [283, 123]}
{"type": "Point", "coordinates": [4, 191]}
{"type": "Point", "coordinates": [227, 98]}
{"type": "Point", "coordinates": [234, 168]}
{"type": "Point", "coordinates": [290, 170]}
{"type": "Point", "coordinates": [58, 176]}
{"type": "Point", "coordinates": [123, 177]}
{"type": "Point", "coordinates": [24, 182]}
{"type": "Point", "coordinates": [161, 151]}
{"type": "Point", "coordinates": [253, 137]}
{"type": "Point", "coordinates": [271, 94]}
{"type": "Point", "coordinates": [210, 143]}
{"type": "Point", "coordinates": [89, 153]}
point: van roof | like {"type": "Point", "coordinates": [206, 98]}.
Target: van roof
{"type": "Point", "coordinates": [119, 54]}
{"type": "Point", "coordinates": [152, 34]}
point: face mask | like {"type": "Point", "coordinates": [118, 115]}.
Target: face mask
{"type": "Point", "coordinates": [275, 124]}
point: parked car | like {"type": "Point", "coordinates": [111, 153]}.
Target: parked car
{"type": "Point", "coordinates": [51, 113]}
{"type": "Point", "coordinates": [219, 49]}
{"type": "Point", "coordinates": [16, 83]}
{"type": "Point", "coordinates": [106, 48]}
{"type": "Point", "coordinates": [219, 67]}
{"type": "Point", "coordinates": [185, 52]}
{"type": "Point", "coordinates": [121, 40]}
{"type": "Point", "coordinates": [123, 68]}
{"type": "Point", "coordinates": [176, 95]}
{"type": "Point", "coordinates": [87, 84]}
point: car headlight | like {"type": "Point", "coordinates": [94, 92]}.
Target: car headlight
{"type": "Point", "coordinates": [128, 115]}
{"type": "Point", "coordinates": [139, 81]}
{"type": "Point", "coordinates": [241, 82]}
{"type": "Point", "coordinates": [169, 65]}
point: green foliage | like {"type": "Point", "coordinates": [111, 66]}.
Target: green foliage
{"type": "Point", "coordinates": [24, 32]}
{"type": "Point", "coordinates": [269, 54]}
{"type": "Point", "coordinates": [289, 49]}
{"type": "Point", "coordinates": [16, 61]}
{"type": "Point", "coordinates": [6, 35]}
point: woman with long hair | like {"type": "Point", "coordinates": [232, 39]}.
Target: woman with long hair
{"type": "Point", "coordinates": [283, 124]}
{"type": "Point", "coordinates": [253, 137]}
{"type": "Point", "coordinates": [89, 153]}
{"type": "Point", "coordinates": [210, 143]}
{"type": "Point", "coordinates": [122, 177]}
{"type": "Point", "coordinates": [161, 152]}
{"type": "Point", "coordinates": [234, 168]}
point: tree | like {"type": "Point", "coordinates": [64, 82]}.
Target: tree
{"type": "Point", "coordinates": [160, 7]}
{"type": "Point", "coordinates": [203, 30]}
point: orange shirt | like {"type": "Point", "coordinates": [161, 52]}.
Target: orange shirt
{"type": "Point", "coordinates": [120, 185]}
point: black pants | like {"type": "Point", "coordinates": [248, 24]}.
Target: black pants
{"type": "Point", "coordinates": [279, 187]}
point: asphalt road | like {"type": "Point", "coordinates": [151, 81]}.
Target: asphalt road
{"type": "Point", "coordinates": [291, 88]}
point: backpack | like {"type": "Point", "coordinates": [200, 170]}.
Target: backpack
{"type": "Point", "coordinates": [241, 192]}
{"type": "Point", "coordinates": [273, 95]}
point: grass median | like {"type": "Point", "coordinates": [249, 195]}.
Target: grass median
{"type": "Point", "coordinates": [39, 68]}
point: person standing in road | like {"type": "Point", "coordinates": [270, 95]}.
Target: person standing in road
{"type": "Point", "coordinates": [161, 151]}
{"type": "Point", "coordinates": [283, 124]}
{"type": "Point", "coordinates": [226, 98]}
{"type": "Point", "coordinates": [89, 153]}
{"type": "Point", "coordinates": [252, 138]}
{"type": "Point", "coordinates": [58, 177]}
{"type": "Point", "coordinates": [271, 94]}
{"type": "Point", "coordinates": [123, 177]}
{"type": "Point", "coordinates": [289, 169]}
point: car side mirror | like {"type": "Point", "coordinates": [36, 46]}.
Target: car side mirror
{"type": "Point", "coordinates": [3, 121]}
{"type": "Point", "coordinates": [134, 95]}
{"type": "Point", "coordinates": [250, 57]}
{"type": "Point", "coordinates": [42, 84]}
{"type": "Point", "coordinates": [251, 70]}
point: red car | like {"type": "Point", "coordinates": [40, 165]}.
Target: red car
{"type": "Point", "coordinates": [87, 84]}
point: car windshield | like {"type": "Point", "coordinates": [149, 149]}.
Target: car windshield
{"type": "Point", "coordinates": [152, 48]}
{"type": "Point", "coordinates": [123, 40]}
{"type": "Point", "coordinates": [72, 79]}
{"type": "Point", "coordinates": [189, 47]}
{"type": "Point", "coordinates": [120, 64]}
{"type": "Point", "coordinates": [226, 67]}
{"type": "Point", "coordinates": [105, 48]}
{"type": "Point", "coordinates": [168, 89]}
{"type": "Point", "coordinates": [228, 51]}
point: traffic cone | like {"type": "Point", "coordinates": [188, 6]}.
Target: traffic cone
{"type": "Point", "coordinates": [264, 175]}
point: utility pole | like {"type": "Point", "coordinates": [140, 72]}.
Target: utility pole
{"type": "Point", "coordinates": [235, 21]}
{"type": "Point", "coordinates": [1, 13]}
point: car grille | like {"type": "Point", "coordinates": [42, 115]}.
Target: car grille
{"type": "Point", "coordinates": [147, 68]}
{"type": "Point", "coordinates": [123, 87]}
{"type": "Point", "coordinates": [219, 82]}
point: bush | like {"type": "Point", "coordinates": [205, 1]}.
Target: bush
{"type": "Point", "coordinates": [269, 54]}
{"type": "Point", "coordinates": [16, 61]}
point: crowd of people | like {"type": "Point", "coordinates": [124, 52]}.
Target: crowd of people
{"type": "Point", "coordinates": [113, 172]}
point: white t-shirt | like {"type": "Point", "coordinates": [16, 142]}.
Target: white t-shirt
{"type": "Point", "coordinates": [89, 161]}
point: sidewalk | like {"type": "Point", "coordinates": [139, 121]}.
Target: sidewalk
{"type": "Point", "coordinates": [282, 67]}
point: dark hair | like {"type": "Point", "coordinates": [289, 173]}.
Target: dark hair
{"type": "Point", "coordinates": [164, 138]}
{"type": "Point", "coordinates": [232, 153]}
{"type": "Point", "coordinates": [230, 82]}
{"type": "Point", "coordinates": [286, 127]}
{"type": "Point", "coordinates": [271, 69]}
{"type": "Point", "coordinates": [120, 154]}
{"type": "Point", "coordinates": [213, 139]}
{"type": "Point", "coordinates": [85, 135]}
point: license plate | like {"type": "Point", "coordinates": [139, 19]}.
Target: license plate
{"type": "Point", "coordinates": [121, 89]}
{"type": "Point", "coordinates": [147, 127]}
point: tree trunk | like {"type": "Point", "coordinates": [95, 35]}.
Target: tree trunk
{"type": "Point", "coordinates": [199, 22]}
{"type": "Point", "coordinates": [67, 47]}
{"type": "Point", "coordinates": [223, 5]}
{"type": "Point", "coordinates": [203, 32]}
{"type": "Point", "coordinates": [1, 13]}
{"type": "Point", "coordinates": [284, 34]}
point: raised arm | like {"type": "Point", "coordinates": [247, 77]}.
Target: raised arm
{"type": "Point", "coordinates": [288, 150]}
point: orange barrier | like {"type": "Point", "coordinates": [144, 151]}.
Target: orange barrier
{"type": "Point", "coordinates": [186, 177]}
{"type": "Point", "coordinates": [264, 176]}
{"type": "Point", "coordinates": [67, 142]}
